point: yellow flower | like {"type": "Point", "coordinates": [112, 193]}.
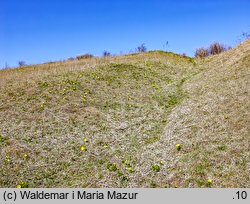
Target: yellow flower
{"type": "Point", "coordinates": [85, 140]}
{"type": "Point", "coordinates": [209, 181]}
{"type": "Point", "coordinates": [131, 170]}
{"type": "Point", "coordinates": [105, 145]}
{"type": "Point", "coordinates": [19, 186]}
{"type": "Point", "coordinates": [178, 146]}
{"type": "Point", "coordinates": [126, 162]}
{"type": "Point", "coordinates": [25, 155]}
{"type": "Point", "coordinates": [161, 162]}
{"type": "Point", "coordinates": [7, 159]}
{"type": "Point", "coordinates": [22, 185]}
{"type": "Point", "coordinates": [83, 148]}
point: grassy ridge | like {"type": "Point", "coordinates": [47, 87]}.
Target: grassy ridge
{"type": "Point", "coordinates": [112, 122]}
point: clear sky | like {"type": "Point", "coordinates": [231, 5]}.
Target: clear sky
{"type": "Point", "coordinates": [38, 31]}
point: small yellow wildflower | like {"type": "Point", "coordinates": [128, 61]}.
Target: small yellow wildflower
{"type": "Point", "coordinates": [126, 162]}
{"type": "Point", "coordinates": [22, 185]}
{"type": "Point", "coordinates": [83, 148]}
{"type": "Point", "coordinates": [84, 98]}
{"type": "Point", "coordinates": [105, 145]}
{"type": "Point", "coordinates": [7, 158]}
{"type": "Point", "coordinates": [131, 170]}
{"type": "Point", "coordinates": [26, 155]}
{"type": "Point", "coordinates": [85, 140]}
{"type": "Point", "coordinates": [19, 186]}
{"type": "Point", "coordinates": [161, 162]}
{"type": "Point", "coordinates": [178, 147]}
{"type": "Point", "coordinates": [210, 181]}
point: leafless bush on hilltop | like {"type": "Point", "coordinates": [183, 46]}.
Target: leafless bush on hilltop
{"type": "Point", "coordinates": [141, 48]}
{"type": "Point", "coordinates": [201, 52]}
{"type": "Point", "coordinates": [216, 48]}
{"type": "Point", "coordinates": [106, 53]}
{"type": "Point", "coordinates": [21, 63]}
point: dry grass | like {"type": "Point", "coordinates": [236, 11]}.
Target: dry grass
{"type": "Point", "coordinates": [133, 110]}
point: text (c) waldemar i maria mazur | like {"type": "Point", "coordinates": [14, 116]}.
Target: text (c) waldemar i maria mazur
{"type": "Point", "coordinates": [76, 195]}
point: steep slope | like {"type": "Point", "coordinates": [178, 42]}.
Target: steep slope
{"type": "Point", "coordinates": [115, 121]}
{"type": "Point", "coordinates": [213, 124]}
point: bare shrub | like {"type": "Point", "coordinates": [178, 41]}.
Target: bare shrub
{"type": "Point", "coordinates": [21, 63]}
{"type": "Point", "coordinates": [141, 48]}
{"type": "Point", "coordinates": [71, 59]}
{"type": "Point", "coordinates": [201, 52]}
{"type": "Point", "coordinates": [106, 53]}
{"type": "Point", "coordinates": [85, 56]}
{"type": "Point", "coordinates": [216, 48]}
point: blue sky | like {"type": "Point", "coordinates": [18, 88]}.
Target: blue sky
{"type": "Point", "coordinates": [38, 31]}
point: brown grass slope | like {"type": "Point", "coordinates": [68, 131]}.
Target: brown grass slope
{"type": "Point", "coordinates": [213, 124]}
{"type": "Point", "coordinates": [132, 110]}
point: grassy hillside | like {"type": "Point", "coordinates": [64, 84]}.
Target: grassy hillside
{"type": "Point", "coordinates": [115, 122]}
